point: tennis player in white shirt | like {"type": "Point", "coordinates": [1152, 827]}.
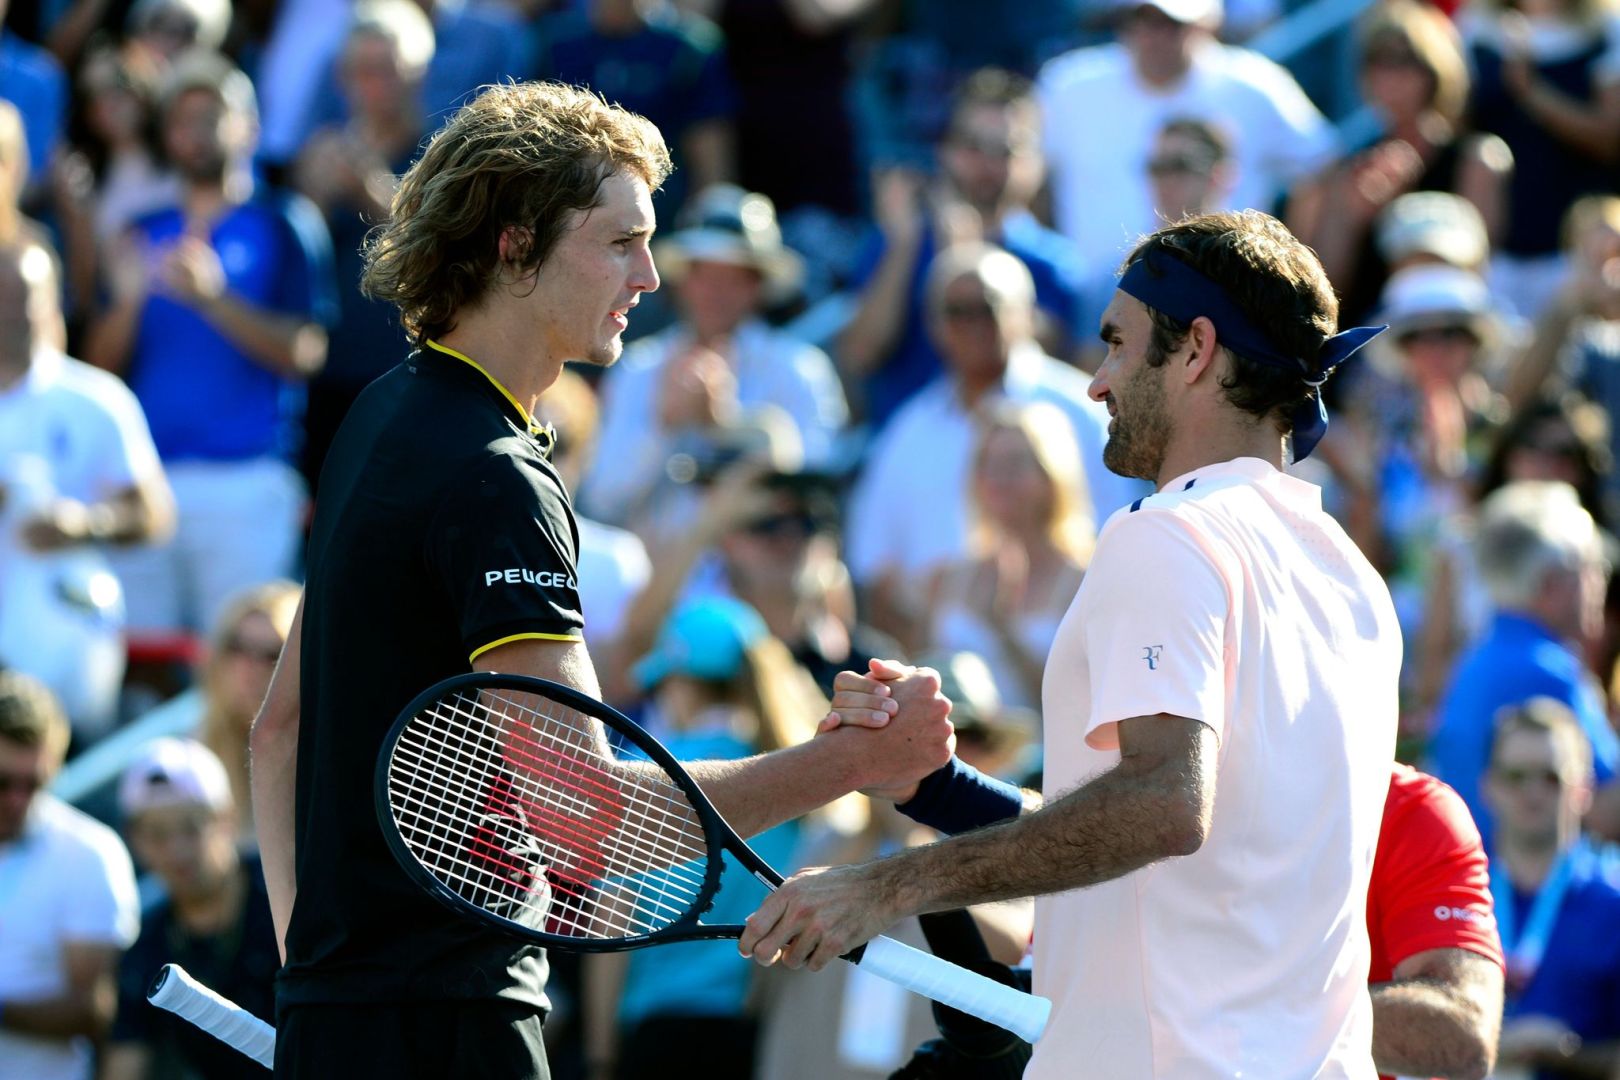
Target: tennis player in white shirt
{"type": "Point", "coordinates": [1219, 707]}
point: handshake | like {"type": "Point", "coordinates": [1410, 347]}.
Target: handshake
{"type": "Point", "coordinates": [902, 720]}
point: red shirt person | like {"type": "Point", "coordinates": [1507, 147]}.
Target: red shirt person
{"type": "Point", "coordinates": [1436, 974]}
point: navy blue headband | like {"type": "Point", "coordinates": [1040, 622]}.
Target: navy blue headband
{"type": "Point", "coordinates": [1173, 288]}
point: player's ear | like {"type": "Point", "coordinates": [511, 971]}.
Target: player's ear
{"type": "Point", "coordinates": [514, 247]}
{"type": "Point", "coordinates": [1202, 346]}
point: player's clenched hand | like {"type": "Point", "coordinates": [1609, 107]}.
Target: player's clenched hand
{"type": "Point", "coordinates": [861, 700]}
{"type": "Point", "coordinates": [916, 741]}
{"type": "Point", "coordinates": [818, 915]}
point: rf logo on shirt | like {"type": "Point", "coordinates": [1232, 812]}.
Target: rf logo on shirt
{"type": "Point", "coordinates": [1150, 653]}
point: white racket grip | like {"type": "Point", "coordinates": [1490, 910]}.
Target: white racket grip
{"type": "Point", "coordinates": [226, 1021]}
{"type": "Point", "coordinates": [977, 995]}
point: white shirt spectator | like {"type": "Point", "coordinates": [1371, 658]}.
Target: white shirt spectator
{"type": "Point", "coordinates": [909, 511]}
{"type": "Point", "coordinates": [67, 430]}
{"type": "Point", "coordinates": [1230, 598]}
{"type": "Point", "coordinates": [613, 568]}
{"type": "Point", "coordinates": [1104, 120]}
{"type": "Point", "coordinates": [67, 880]}
{"type": "Point", "coordinates": [772, 368]}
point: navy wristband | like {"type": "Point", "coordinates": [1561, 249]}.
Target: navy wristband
{"type": "Point", "coordinates": [958, 798]}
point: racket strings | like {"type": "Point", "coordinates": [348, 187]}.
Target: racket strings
{"type": "Point", "coordinates": [479, 863]}
{"type": "Point", "coordinates": [496, 882]}
{"type": "Point", "coordinates": [520, 811]}
{"type": "Point", "coordinates": [645, 836]}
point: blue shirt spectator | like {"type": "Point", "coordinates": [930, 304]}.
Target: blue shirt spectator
{"type": "Point", "coordinates": [1578, 978]}
{"type": "Point", "coordinates": [1518, 659]}
{"type": "Point", "coordinates": [276, 255]}
{"type": "Point", "coordinates": [32, 80]}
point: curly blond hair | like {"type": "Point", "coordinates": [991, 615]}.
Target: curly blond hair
{"type": "Point", "coordinates": [521, 156]}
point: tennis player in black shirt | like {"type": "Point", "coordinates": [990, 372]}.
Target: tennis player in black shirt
{"type": "Point", "coordinates": [443, 541]}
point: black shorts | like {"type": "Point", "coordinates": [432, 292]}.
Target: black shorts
{"type": "Point", "coordinates": [442, 1040]}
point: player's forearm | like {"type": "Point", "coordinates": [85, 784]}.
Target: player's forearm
{"type": "Point", "coordinates": [1424, 1028]}
{"type": "Point", "coordinates": [764, 791]}
{"type": "Point", "coordinates": [1117, 823]}
{"type": "Point", "coordinates": [289, 345]}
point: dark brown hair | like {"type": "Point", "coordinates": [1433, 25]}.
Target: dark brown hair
{"type": "Point", "coordinates": [522, 156]}
{"type": "Point", "coordinates": [1274, 279]}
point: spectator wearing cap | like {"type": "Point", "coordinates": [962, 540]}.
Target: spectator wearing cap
{"type": "Point", "coordinates": [213, 918]}
{"type": "Point", "coordinates": [1105, 104]}
{"type": "Point", "coordinates": [68, 905]}
{"type": "Point", "coordinates": [78, 474]}
{"type": "Point", "coordinates": [724, 688]}
{"type": "Point", "coordinates": [219, 312]}
{"type": "Point", "coordinates": [1032, 535]}
{"type": "Point", "coordinates": [1540, 557]}
{"type": "Point", "coordinates": [1415, 80]}
{"type": "Point", "coordinates": [1420, 417]}
{"type": "Point", "coordinates": [719, 363]}
{"type": "Point", "coordinates": [909, 512]}
{"type": "Point", "coordinates": [990, 168]}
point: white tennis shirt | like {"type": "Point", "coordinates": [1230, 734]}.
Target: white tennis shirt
{"type": "Point", "coordinates": [1233, 599]}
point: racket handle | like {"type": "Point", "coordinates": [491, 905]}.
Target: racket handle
{"type": "Point", "coordinates": [178, 992]}
{"type": "Point", "coordinates": [924, 973]}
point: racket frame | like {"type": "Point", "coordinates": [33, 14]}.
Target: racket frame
{"type": "Point", "coordinates": [718, 835]}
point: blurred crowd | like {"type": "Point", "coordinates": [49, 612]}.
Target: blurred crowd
{"type": "Point", "coordinates": [853, 423]}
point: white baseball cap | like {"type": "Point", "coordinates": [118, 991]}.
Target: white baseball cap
{"type": "Point", "coordinates": [174, 772]}
{"type": "Point", "coordinates": [1203, 12]}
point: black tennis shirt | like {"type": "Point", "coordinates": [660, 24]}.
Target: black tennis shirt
{"type": "Point", "coordinates": [441, 531]}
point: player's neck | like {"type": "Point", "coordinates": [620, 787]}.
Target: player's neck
{"type": "Point", "coordinates": [1195, 446]}
{"type": "Point", "coordinates": [506, 351]}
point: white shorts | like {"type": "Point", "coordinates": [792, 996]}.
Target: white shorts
{"type": "Point", "coordinates": [238, 524]}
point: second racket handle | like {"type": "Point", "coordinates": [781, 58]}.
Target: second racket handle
{"type": "Point", "coordinates": [924, 973]}
{"type": "Point", "coordinates": [175, 990]}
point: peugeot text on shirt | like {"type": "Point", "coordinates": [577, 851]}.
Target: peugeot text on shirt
{"type": "Point", "coordinates": [545, 579]}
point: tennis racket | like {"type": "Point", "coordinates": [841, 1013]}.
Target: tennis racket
{"type": "Point", "coordinates": [500, 796]}
{"type": "Point", "coordinates": [178, 992]}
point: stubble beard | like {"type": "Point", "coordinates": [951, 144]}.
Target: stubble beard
{"type": "Point", "coordinates": [1136, 445]}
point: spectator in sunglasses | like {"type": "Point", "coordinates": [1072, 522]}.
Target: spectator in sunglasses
{"type": "Point", "coordinates": [1189, 168]}
{"type": "Point", "coordinates": [1556, 908]}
